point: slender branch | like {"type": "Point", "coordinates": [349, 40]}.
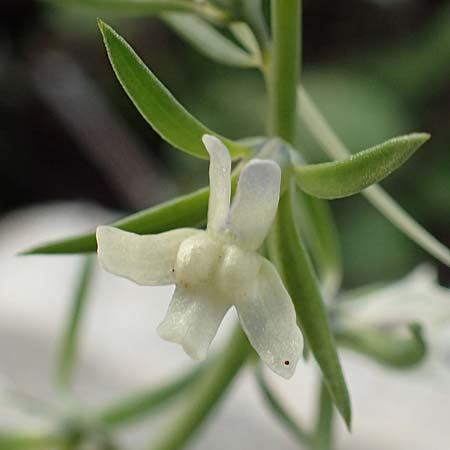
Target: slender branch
{"type": "Point", "coordinates": [401, 219]}
{"type": "Point", "coordinates": [335, 148]}
{"type": "Point", "coordinates": [284, 67]}
{"type": "Point", "coordinates": [324, 423]}
{"type": "Point", "coordinates": [279, 411]}
{"type": "Point", "coordinates": [204, 394]}
{"type": "Point", "coordinates": [70, 339]}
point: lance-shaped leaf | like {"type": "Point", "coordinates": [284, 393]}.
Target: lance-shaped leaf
{"type": "Point", "coordinates": [401, 348]}
{"type": "Point", "coordinates": [209, 41]}
{"type": "Point", "coordinates": [321, 237]}
{"type": "Point", "coordinates": [352, 175]}
{"type": "Point", "coordinates": [288, 252]}
{"type": "Point", "coordinates": [149, 7]}
{"type": "Point", "coordinates": [186, 211]}
{"type": "Point", "coordinates": [155, 103]}
{"type": "Point", "coordinates": [244, 34]}
{"type": "Point", "coordinates": [182, 212]}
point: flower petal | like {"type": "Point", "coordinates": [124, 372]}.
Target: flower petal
{"type": "Point", "coordinates": [269, 320]}
{"type": "Point", "coordinates": [219, 181]}
{"type": "Point", "coordinates": [192, 320]}
{"type": "Point", "coordinates": [147, 259]}
{"type": "Point", "coordinates": [255, 203]}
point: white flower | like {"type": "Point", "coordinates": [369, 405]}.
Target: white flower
{"type": "Point", "coordinates": [217, 268]}
{"type": "Point", "coordinates": [417, 298]}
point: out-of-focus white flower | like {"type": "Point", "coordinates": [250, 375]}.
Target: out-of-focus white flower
{"type": "Point", "coordinates": [217, 268]}
{"type": "Point", "coordinates": [417, 298]}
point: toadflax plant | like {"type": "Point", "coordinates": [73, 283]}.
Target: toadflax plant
{"type": "Point", "coordinates": [273, 254]}
{"type": "Point", "coordinates": [217, 268]}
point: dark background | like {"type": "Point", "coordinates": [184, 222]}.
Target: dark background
{"type": "Point", "coordinates": [377, 68]}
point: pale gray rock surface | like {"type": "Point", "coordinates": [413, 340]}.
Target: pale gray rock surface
{"type": "Point", "coordinates": [121, 352]}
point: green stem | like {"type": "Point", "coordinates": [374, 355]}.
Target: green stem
{"type": "Point", "coordinates": [204, 394]}
{"type": "Point", "coordinates": [324, 423]}
{"type": "Point", "coordinates": [280, 412]}
{"type": "Point", "coordinates": [70, 339]}
{"type": "Point", "coordinates": [284, 67]}
{"type": "Point", "coordinates": [144, 403]}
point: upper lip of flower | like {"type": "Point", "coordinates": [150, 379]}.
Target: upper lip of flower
{"type": "Point", "coordinates": [219, 267]}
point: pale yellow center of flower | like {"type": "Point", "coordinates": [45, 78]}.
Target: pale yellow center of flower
{"type": "Point", "coordinates": [203, 258]}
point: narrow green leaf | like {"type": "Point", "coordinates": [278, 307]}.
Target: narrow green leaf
{"type": "Point", "coordinates": [186, 211]}
{"type": "Point", "coordinates": [388, 347]}
{"type": "Point", "coordinates": [69, 340]}
{"type": "Point", "coordinates": [244, 34]}
{"type": "Point", "coordinates": [155, 103]}
{"type": "Point", "coordinates": [208, 41]}
{"type": "Point", "coordinates": [291, 258]}
{"type": "Point", "coordinates": [149, 7]}
{"type": "Point", "coordinates": [252, 28]}
{"type": "Point", "coordinates": [321, 237]}
{"type": "Point", "coordinates": [352, 175]}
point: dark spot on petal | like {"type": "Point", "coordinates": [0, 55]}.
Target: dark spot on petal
{"type": "Point", "coordinates": [286, 363]}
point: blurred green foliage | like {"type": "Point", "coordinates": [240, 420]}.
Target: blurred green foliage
{"type": "Point", "coordinates": [374, 71]}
